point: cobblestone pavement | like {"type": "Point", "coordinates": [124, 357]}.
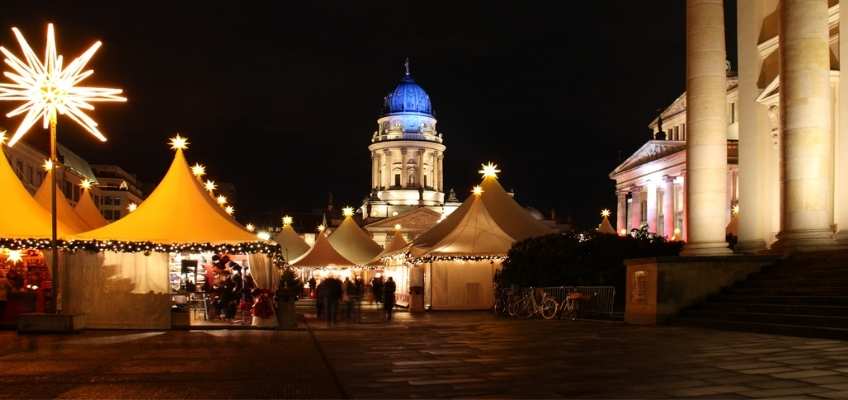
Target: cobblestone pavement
{"type": "Point", "coordinates": [435, 355]}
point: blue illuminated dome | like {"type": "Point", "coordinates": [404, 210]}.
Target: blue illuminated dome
{"type": "Point", "coordinates": [407, 97]}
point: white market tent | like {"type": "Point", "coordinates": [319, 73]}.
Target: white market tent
{"type": "Point", "coordinates": [463, 252]}
{"type": "Point", "coordinates": [126, 283]}
{"type": "Point", "coordinates": [354, 243]}
{"type": "Point", "coordinates": [606, 228]}
{"type": "Point", "coordinates": [291, 244]}
{"type": "Point", "coordinates": [64, 211]}
{"type": "Point", "coordinates": [322, 254]}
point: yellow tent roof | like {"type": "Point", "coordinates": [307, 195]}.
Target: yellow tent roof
{"type": "Point", "coordinates": [485, 224]}
{"type": "Point", "coordinates": [354, 243]}
{"type": "Point", "coordinates": [178, 211]}
{"type": "Point", "coordinates": [397, 244]}
{"type": "Point", "coordinates": [21, 217]}
{"type": "Point", "coordinates": [606, 228]}
{"type": "Point", "coordinates": [65, 212]}
{"type": "Point", "coordinates": [322, 254]}
{"type": "Point", "coordinates": [291, 244]}
{"type": "Point", "coordinates": [88, 211]}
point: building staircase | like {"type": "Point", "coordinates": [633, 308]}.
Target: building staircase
{"type": "Point", "coordinates": [801, 295]}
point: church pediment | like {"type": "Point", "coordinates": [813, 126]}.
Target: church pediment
{"type": "Point", "coordinates": [420, 218]}
{"type": "Point", "coordinates": [650, 151]}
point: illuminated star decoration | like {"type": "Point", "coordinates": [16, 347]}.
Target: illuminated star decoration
{"type": "Point", "coordinates": [86, 184]}
{"type": "Point", "coordinates": [210, 185]}
{"type": "Point", "coordinates": [490, 170]}
{"type": "Point", "coordinates": [2, 137]}
{"type": "Point", "coordinates": [477, 190]}
{"type": "Point", "coordinates": [397, 227]}
{"type": "Point", "coordinates": [14, 256]}
{"type": "Point", "coordinates": [229, 210]}
{"type": "Point", "coordinates": [178, 142]}
{"type": "Point", "coordinates": [287, 220]}
{"type": "Point", "coordinates": [605, 213]}
{"type": "Point", "coordinates": [250, 227]}
{"type": "Point", "coordinates": [222, 199]}
{"type": "Point", "coordinates": [48, 165]}
{"type": "Point", "coordinates": [321, 228]}
{"type": "Point", "coordinates": [198, 170]}
{"type": "Point", "coordinates": [132, 207]}
{"type": "Point", "coordinates": [49, 87]}
{"type": "Point", "coordinates": [735, 209]}
{"type": "Point", "coordinates": [347, 211]}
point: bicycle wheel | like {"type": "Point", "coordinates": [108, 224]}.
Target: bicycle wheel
{"type": "Point", "coordinates": [525, 308]}
{"type": "Point", "coordinates": [512, 308]}
{"type": "Point", "coordinates": [548, 308]}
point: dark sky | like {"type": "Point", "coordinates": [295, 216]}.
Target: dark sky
{"type": "Point", "coordinates": [282, 98]}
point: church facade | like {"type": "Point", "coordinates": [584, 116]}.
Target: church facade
{"type": "Point", "coordinates": [407, 159]}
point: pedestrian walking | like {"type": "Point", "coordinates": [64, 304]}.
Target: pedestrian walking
{"type": "Point", "coordinates": [332, 297]}
{"type": "Point", "coordinates": [320, 298]}
{"type": "Point", "coordinates": [389, 298]}
{"type": "Point", "coordinates": [312, 285]}
{"type": "Point", "coordinates": [377, 288]}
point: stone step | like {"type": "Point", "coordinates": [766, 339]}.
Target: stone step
{"type": "Point", "coordinates": [825, 310]}
{"type": "Point", "coordinates": [779, 329]}
{"type": "Point", "coordinates": [785, 300]}
{"type": "Point", "coordinates": [790, 291]}
{"type": "Point", "coordinates": [773, 318]}
{"type": "Point", "coordinates": [786, 282]}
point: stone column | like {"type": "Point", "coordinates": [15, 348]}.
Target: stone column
{"type": "Point", "coordinates": [706, 146]}
{"type": "Point", "coordinates": [404, 181]}
{"type": "Point", "coordinates": [805, 117]}
{"type": "Point", "coordinates": [440, 172]}
{"type": "Point", "coordinates": [375, 170]}
{"type": "Point", "coordinates": [421, 168]}
{"type": "Point", "coordinates": [387, 168]}
{"type": "Point", "coordinates": [841, 178]}
{"type": "Point", "coordinates": [668, 206]}
{"type": "Point", "coordinates": [636, 208]}
{"type": "Point", "coordinates": [684, 230]}
{"type": "Point", "coordinates": [621, 212]}
{"type": "Point", "coordinates": [652, 207]}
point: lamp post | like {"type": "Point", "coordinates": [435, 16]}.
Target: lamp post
{"type": "Point", "coordinates": [47, 89]}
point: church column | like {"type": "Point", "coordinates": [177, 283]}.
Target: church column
{"type": "Point", "coordinates": [387, 168]}
{"type": "Point", "coordinates": [841, 177]}
{"type": "Point", "coordinates": [706, 147]}
{"type": "Point", "coordinates": [636, 208]}
{"type": "Point", "coordinates": [652, 207]}
{"type": "Point", "coordinates": [421, 168]}
{"type": "Point", "coordinates": [684, 230]}
{"type": "Point", "coordinates": [403, 178]}
{"type": "Point", "coordinates": [375, 170]}
{"type": "Point", "coordinates": [440, 173]}
{"type": "Point", "coordinates": [621, 213]}
{"type": "Point", "coordinates": [668, 206]}
{"type": "Point", "coordinates": [805, 116]}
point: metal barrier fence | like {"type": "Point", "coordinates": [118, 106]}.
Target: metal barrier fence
{"type": "Point", "coordinates": [598, 299]}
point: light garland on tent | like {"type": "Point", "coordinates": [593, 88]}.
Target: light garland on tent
{"type": "Point", "coordinates": [429, 259]}
{"type": "Point", "coordinates": [273, 250]}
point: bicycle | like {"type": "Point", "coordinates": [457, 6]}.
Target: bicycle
{"type": "Point", "coordinates": [572, 304]}
{"type": "Point", "coordinates": [527, 306]}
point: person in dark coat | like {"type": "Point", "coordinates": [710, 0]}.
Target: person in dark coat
{"type": "Point", "coordinates": [377, 289]}
{"type": "Point", "coordinates": [312, 285]}
{"type": "Point", "coordinates": [389, 298]}
{"type": "Point", "coordinates": [332, 295]}
{"type": "Point", "coordinates": [319, 298]}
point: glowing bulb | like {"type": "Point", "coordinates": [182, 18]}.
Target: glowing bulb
{"type": "Point", "coordinates": [321, 228]}
{"type": "Point", "coordinates": [221, 199]}
{"type": "Point", "coordinates": [287, 220]}
{"type": "Point", "coordinates": [2, 137]}
{"type": "Point", "coordinates": [178, 143]}
{"type": "Point", "coordinates": [347, 211]}
{"type": "Point", "coordinates": [735, 210]}
{"type": "Point", "coordinates": [210, 185]}
{"type": "Point", "coordinates": [490, 170]}
{"type": "Point", "coordinates": [198, 170]}
{"type": "Point", "coordinates": [250, 227]}
{"type": "Point", "coordinates": [477, 190]}
{"type": "Point", "coordinates": [229, 210]}
{"type": "Point", "coordinates": [86, 184]}
{"type": "Point", "coordinates": [132, 207]}
{"type": "Point", "coordinates": [49, 87]}
{"type": "Point", "coordinates": [605, 213]}
{"type": "Point", "coordinates": [397, 227]}
{"type": "Point", "coordinates": [622, 232]}
{"type": "Point", "coordinates": [14, 256]}
{"type": "Point", "coordinates": [48, 165]}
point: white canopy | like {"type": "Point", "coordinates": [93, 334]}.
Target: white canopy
{"type": "Point", "coordinates": [322, 254]}
{"type": "Point", "coordinates": [291, 244]}
{"type": "Point", "coordinates": [64, 211]}
{"type": "Point", "coordinates": [354, 243]}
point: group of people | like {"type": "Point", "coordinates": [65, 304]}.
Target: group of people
{"type": "Point", "coordinates": [332, 292]}
{"type": "Point", "coordinates": [234, 294]}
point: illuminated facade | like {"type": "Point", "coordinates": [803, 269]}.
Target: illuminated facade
{"type": "Point", "coordinates": [407, 158]}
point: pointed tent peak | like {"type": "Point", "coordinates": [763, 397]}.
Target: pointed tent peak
{"type": "Point", "coordinates": [64, 211]}
{"type": "Point", "coordinates": [354, 243]}
{"type": "Point", "coordinates": [605, 227]}
{"type": "Point", "coordinates": [512, 217]}
{"type": "Point", "coordinates": [88, 211]}
{"type": "Point", "coordinates": [177, 211]}
{"type": "Point", "coordinates": [398, 242]}
{"type": "Point", "coordinates": [292, 245]}
{"type": "Point", "coordinates": [322, 254]}
{"type": "Point", "coordinates": [21, 216]}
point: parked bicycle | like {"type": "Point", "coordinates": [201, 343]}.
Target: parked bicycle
{"type": "Point", "coordinates": [527, 306]}
{"type": "Point", "coordinates": [572, 305]}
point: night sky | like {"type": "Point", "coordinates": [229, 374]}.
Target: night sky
{"type": "Point", "coordinates": [282, 98]}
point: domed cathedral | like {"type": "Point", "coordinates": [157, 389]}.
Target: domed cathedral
{"type": "Point", "coordinates": [407, 158]}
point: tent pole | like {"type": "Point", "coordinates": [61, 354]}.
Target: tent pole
{"type": "Point", "coordinates": [54, 244]}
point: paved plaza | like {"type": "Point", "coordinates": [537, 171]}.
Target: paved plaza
{"type": "Point", "coordinates": [435, 355]}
